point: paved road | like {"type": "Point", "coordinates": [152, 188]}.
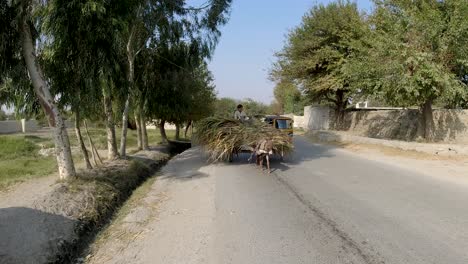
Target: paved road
{"type": "Point", "coordinates": [322, 205]}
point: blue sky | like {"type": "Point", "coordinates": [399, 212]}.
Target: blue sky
{"type": "Point", "coordinates": [256, 29]}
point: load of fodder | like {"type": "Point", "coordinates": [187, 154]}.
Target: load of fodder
{"type": "Point", "coordinates": [221, 137]}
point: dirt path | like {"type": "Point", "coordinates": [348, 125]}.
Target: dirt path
{"type": "Point", "coordinates": [445, 168]}
{"type": "Point", "coordinates": [155, 224]}
{"type": "Point", "coordinates": [33, 226]}
{"type": "Point", "coordinates": [25, 193]}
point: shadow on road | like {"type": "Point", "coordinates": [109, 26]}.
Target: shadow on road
{"type": "Point", "coordinates": [31, 236]}
{"type": "Point", "coordinates": [303, 151]}
{"type": "Point", "coordinates": [186, 166]}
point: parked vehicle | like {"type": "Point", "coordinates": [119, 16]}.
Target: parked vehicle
{"type": "Point", "coordinates": [283, 123]}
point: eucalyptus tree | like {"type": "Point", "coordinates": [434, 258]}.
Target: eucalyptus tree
{"type": "Point", "coordinates": [144, 22]}
{"type": "Point", "coordinates": [71, 63]}
{"type": "Point", "coordinates": [18, 48]}
{"type": "Point", "coordinates": [183, 89]}
{"type": "Point", "coordinates": [162, 21]}
{"type": "Point", "coordinates": [84, 38]}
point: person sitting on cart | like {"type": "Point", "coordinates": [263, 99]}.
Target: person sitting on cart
{"type": "Point", "coordinates": [239, 114]}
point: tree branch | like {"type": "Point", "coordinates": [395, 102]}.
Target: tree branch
{"type": "Point", "coordinates": [201, 7]}
{"type": "Point", "coordinates": [330, 99]}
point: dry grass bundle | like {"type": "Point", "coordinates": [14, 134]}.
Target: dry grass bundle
{"type": "Point", "coordinates": [221, 137]}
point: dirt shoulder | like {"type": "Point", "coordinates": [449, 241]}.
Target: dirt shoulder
{"type": "Point", "coordinates": [44, 220]}
{"type": "Point", "coordinates": [448, 167]}
{"type": "Point", "coordinates": [164, 215]}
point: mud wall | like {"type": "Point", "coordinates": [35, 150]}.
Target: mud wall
{"type": "Point", "coordinates": [450, 125]}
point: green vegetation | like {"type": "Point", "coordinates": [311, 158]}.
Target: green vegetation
{"type": "Point", "coordinates": [289, 98]}
{"type": "Point", "coordinates": [20, 159]}
{"type": "Point", "coordinates": [121, 63]}
{"type": "Point", "coordinates": [317, 53]}
{"type": "Point", "coordinates": [225, 107]}
{"type": "Point", "coordinates": [405, 53]}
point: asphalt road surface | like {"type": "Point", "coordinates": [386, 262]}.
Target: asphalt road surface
{"type": "Point", "coordinates": [322, 205]}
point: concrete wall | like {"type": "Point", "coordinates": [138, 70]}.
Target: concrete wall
{"type": "Point", "coordinates": [167, 126]}
{"type": "Point", "coordinates": [7, 127]}
{"type": "Point", "coordinates": [29, 125]}
{"type": "Point", "coordinates": [451, 126]}
{"type": "Point", "coordinates": [316, 117]}
{"type": "Point", "coordinates": [18, 126]}
{"type": "Point", "coordinates": [299, 121]}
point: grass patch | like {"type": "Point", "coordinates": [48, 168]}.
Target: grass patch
{"type": "Point", "coordinates": [14, 147]}
{"type": "Point", "coordinates": [99, 136]}
{"type": "Point", "coordinates": [19, 160]}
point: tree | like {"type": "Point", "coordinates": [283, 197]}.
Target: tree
{"type": "Point", "coordinates": [165, 21]}
{"type": "Point", "coordinates": [3, 115]}
{"type": "Point", "coordinates": [317, 51]}
{"type": "Point", "coordinates": [70, 64]}
{"type": "Point", "coordinates": [289, 98]}
{"type": "Point", "coordinates": [225, 107]}
{"type": "Point", "coordinates": [254, 108]}
{"type": "Point", "coordinates": [184, 85]}
{"type": "Point", "coordinates": [415, 55]}
{"type": "Point", "coordinates": [20, 59]}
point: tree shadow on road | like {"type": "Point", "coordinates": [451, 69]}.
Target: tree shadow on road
{"type": "Point", "coordinates": [186, 166]}
{"type": "Point", "coordinates": [32, 236]}
{"type": "Point", "coordinates": [304, 151]}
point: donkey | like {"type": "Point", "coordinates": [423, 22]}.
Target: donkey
{"type": "Point", "coordinates": [263, 150]}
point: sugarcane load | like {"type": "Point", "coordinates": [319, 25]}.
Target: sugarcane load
{"type": "Point", "coordinates": [224, 138]}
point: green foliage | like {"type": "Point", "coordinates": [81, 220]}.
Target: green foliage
{"type": "Point", "coordinates": [19, 160]}
{"type": "Point", "coordinates": [289, 98]}
{"type": "Point", "coordinates": [225, 107]}
{"type": "Point", "coordinates": [253, 108]}
{"type": "Point", "coordinates": [178, 84]}
{"type": "Point", "coordinates": [317, 52]}
{"type": "Point", "coordinates": [15, 147]}
{"type": "Point", "coordinates": [414, 53]}
{"type": "Point", "coordinates": [3, 115]}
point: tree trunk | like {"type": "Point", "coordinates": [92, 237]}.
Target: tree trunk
{"type": "Point", "coordinates": [65, 163]}
{"type": "Point", "coordinates": [130, 74]}
{"type": "Point", "coordinates": [110, 126]}
{"type": "Point", "coordinates": [123, 138]}
{"type": "Point", "coordinates": [428, 121]}
{"type": "Point", "coordinates": [177, 131]}
{"type": "Point", "coordinates": [138, 128]}
{"type": "Point", "coordinates": [162, 130]}
{"type": "Point", "coordinates": [189, 124]}
{"type": "Point", "coordinates": [84, 151]}
{"type": "Point", "coordinates": [144, 133]}
{"type": "Point", "coordinates": [340, 106]}
{"type": "Point", "coordinates": [94, 152]}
